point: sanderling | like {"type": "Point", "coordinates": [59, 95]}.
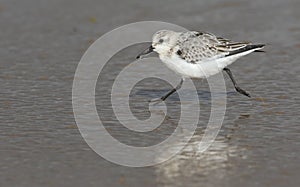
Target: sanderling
{"type": "Point", "coordinates": [198, 55]}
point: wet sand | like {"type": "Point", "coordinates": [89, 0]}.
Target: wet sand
{"type": "Point", "coordinates": [42, 43]}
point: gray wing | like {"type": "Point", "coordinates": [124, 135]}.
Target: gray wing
{"type": "Point", "coordinates": [195, 47]}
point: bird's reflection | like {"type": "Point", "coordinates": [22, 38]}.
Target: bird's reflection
{"type": "Point", "coordinates": [193, 164]}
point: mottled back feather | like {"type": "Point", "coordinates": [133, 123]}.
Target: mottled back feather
{"type": "Point", "coordinates": [195, 47]}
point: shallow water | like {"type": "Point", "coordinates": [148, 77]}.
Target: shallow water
{"type": "Point", "coordinates": [42, 43]}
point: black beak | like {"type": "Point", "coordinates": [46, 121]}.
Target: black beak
{"type": "Point", "coordinates": [145, 52]}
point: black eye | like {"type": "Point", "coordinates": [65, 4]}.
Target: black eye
{"type": "Point", "coordinates": [161, 41]}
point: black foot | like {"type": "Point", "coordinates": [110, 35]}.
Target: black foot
{"type": "Point", "coordinates": [156, 100]}
{"type": "Point", "coordinates": [241, 91]}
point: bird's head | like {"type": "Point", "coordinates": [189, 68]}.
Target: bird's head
{"type": "Point", "coordinates": [162, 42]}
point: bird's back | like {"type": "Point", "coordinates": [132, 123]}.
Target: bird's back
{"type": "Point", "coordinates": [196, 47]}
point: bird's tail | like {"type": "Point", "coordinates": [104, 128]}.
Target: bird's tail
{"type": "Point", "coordinates": [250, 47]}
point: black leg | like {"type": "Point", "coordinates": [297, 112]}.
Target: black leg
{"type": "Point", "coordinates": [237, 88]}
{"type": "Point", "coordinates": [170, 92]}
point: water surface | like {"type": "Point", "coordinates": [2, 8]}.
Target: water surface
{"type": "Point", "coordinates": [42, 43]}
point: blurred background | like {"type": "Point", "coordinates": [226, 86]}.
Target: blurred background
{"type": "Point", "coordinates": [42, 42]}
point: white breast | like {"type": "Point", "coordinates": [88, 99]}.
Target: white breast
{"type": "Point", "coordinates": [191, 70]}
{"type": "Point", "coordinates": [199, 69]}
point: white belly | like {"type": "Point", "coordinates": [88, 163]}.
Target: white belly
{"type": "Point", "coordinates": [190, 70]}
{"type": "Point", "coordinates": [199, 69]}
